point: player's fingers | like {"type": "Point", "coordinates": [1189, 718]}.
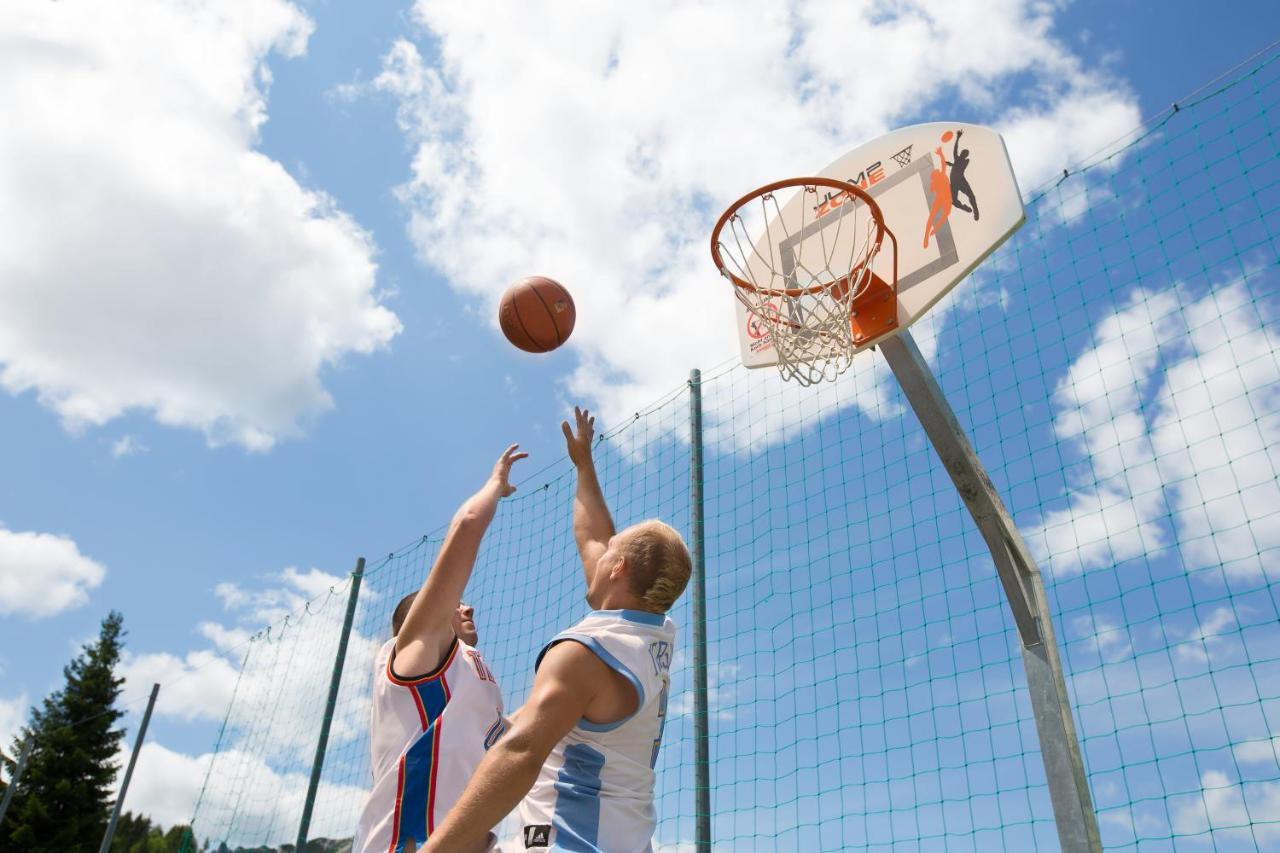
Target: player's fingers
{"type": "Point", "coordinates": [517, 457]}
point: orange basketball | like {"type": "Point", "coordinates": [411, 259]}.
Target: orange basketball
{"type": "Point", "coordinates": [946, 136]}
{"type": "Point", "coordinates": [536, 314]}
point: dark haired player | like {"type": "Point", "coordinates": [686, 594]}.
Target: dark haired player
{"type": "Point", "coordinates": [436, 705]}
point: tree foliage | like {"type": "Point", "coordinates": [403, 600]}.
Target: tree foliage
{"type": "Point", "coordinates": [63, 800]}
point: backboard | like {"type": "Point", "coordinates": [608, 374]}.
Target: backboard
{"type": "Point", "coordinates": [948, 194]}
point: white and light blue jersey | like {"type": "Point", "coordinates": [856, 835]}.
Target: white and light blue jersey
{"type": "Point", "coordinates": [595, 792]}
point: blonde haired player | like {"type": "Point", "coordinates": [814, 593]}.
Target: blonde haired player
{"type": "Point", "coordinates": [583, 747]}
{"type": "Point", "coordinates": [436, 705]}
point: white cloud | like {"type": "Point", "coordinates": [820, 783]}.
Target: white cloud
{"type": "Point", "coordinates": [1217, 436]}
{"type": "Point", "coordinates": [1176, 409]}
{"type": "Point", "coordinates": [1246, 812]}
{"type": "Point", "coordinates": [271, 604]}
{"type": "Point", "coordinates": [1214, 639]}
{"type": "Point", "coordinates": [602, 156]}
{"type": "Point", "coordinates": [42, 574]}
{"type": "Point", "coordinates": [721, 695]}
{"type": "Point", "coordinates": [1103, 635]}
{"type": "Point", "coordinates": [1042, 143]}
{"type": "Point", "coordinates": [1142, 820]}
{"type": "Point", "coordinates": [154, 260]}
{"type": "Point", "coordinates": [166, 785]}
{"type": "Point", "coordinates": [303, 626]}
{"type": "Point", "coordinates": [13, 716]}
{"type": "Point", "coordinates": [198, 685]}
{"type": "Point", "coordinates": [274, 660]}
{"type": "Point", "coordinates": [1112, 512]}
{"type": "Point", "coordinates": [1258, 751]}
{"type": "Point", "coordinates": [311, 583]}
{"type": "Point", "coordinates": [223, 638]}
{"type": "Point", "coordinates": [127, 446]}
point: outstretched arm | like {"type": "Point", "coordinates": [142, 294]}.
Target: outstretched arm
{"type": "Point", "coordinates": [592, 524]}
{"type": "Point", "coordinates": [955, 149]}
{"type": "Point", "coordinates": [567, 681]}
{"type": "Point", "coordinates": [427, 631]}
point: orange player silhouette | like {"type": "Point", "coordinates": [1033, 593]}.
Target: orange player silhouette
{"type": "Point", "coordinates": [941, 187]}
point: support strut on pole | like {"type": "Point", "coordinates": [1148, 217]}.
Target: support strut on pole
{"type": "Point", "coordinates": [1024, 588]}
{"type": "Point", "coordinates": [335, 681]}
{"type": "Point", "coordinates": [702, 760]}
{"type": "Point", "coordinates": [128, 773]}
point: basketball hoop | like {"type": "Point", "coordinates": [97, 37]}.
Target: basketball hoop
{"type": "Point", "coordinates": [807, 280]}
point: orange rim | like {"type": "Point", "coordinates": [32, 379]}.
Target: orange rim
{"type": "Point", "coordinates": [803, 183]}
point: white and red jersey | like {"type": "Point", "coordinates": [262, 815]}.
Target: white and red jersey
{"type": "Point", "coordinates": [427, 736]}
{"type": "Point", "coordinates": [595, 792]}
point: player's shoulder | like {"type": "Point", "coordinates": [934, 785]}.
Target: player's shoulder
{"type": "Point", "coordinates": [626, 634]}
{"type": "Point", "coordinates": [384, 654]}
{"type": "Point", "coordinates": [640, 621]}
{"type": "Point", "coordinates": [569, 650]}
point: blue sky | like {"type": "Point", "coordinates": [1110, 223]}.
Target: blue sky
{"type": "Point", "coordinates": [192, 477]}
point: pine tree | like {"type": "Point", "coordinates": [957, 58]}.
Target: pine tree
{"type": "Point", "coordinates": [175, 839]}
{"type": "Point", "coordinates": [137, 834]}
{"type": "Point", "coordinates": [132, 834]}
{"type": "Point", "coordinates": [64, 799]}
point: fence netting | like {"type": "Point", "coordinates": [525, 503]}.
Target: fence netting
{"type": "Point", "coordinates": [1116, 365]}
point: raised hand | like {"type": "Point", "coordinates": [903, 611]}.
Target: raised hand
{"type": "Point", "coordinates": [502, 469]}
{"type": "Point", "coordinates": [579, 440]}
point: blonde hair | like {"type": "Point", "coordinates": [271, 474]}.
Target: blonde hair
{"type": "Point", "coordinates": [658, 563]}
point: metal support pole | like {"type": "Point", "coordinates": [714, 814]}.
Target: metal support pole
{"type": "Point", "coordinates": [702, 741]}
{"type": "Point", "coordinates": [1024, 589]}
{"type": "Point", "coordinates": [334, 682]}
{"type": "Point", "coordinates": [17, 775]}
{"type": "Point", "coordinates": [128, 773]}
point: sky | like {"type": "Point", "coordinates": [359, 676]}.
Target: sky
{"type": "Point", "coordinates": [248, 307]}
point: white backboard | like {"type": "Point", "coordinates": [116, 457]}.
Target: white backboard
{"type": "Point", "coordinates": [950, 178]}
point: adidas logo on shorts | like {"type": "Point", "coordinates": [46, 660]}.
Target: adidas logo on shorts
{"type": "Point", "coordinates": [537, 835]}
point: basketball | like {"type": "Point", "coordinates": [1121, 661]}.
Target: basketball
{"type": "Point", "coordinates": [946, 136]}
{"type": "Point", "coordinates": [536, 314]}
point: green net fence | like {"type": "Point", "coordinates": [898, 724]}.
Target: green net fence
{"type": "Point", "coordinates": [1116, 365]}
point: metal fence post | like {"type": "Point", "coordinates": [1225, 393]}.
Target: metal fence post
{"type": "Point", "coordinates": [334, 682]}
{"type": "Point", "coordinates": [128, 773]}
{"type": "Point", "coordinates": [17, 775]}
{"type": "Point", "coordinates": [702, 761]}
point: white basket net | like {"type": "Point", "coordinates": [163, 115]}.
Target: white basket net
{"type": "Point", "coordinates": [799, 274]}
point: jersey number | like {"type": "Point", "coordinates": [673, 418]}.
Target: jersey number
{"type": "Point", "coordinates": [481, 669]}
{"type": "Point", "coordinates": [662, 719]}
{"type": "Point", "coordinates": [496, 731]}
